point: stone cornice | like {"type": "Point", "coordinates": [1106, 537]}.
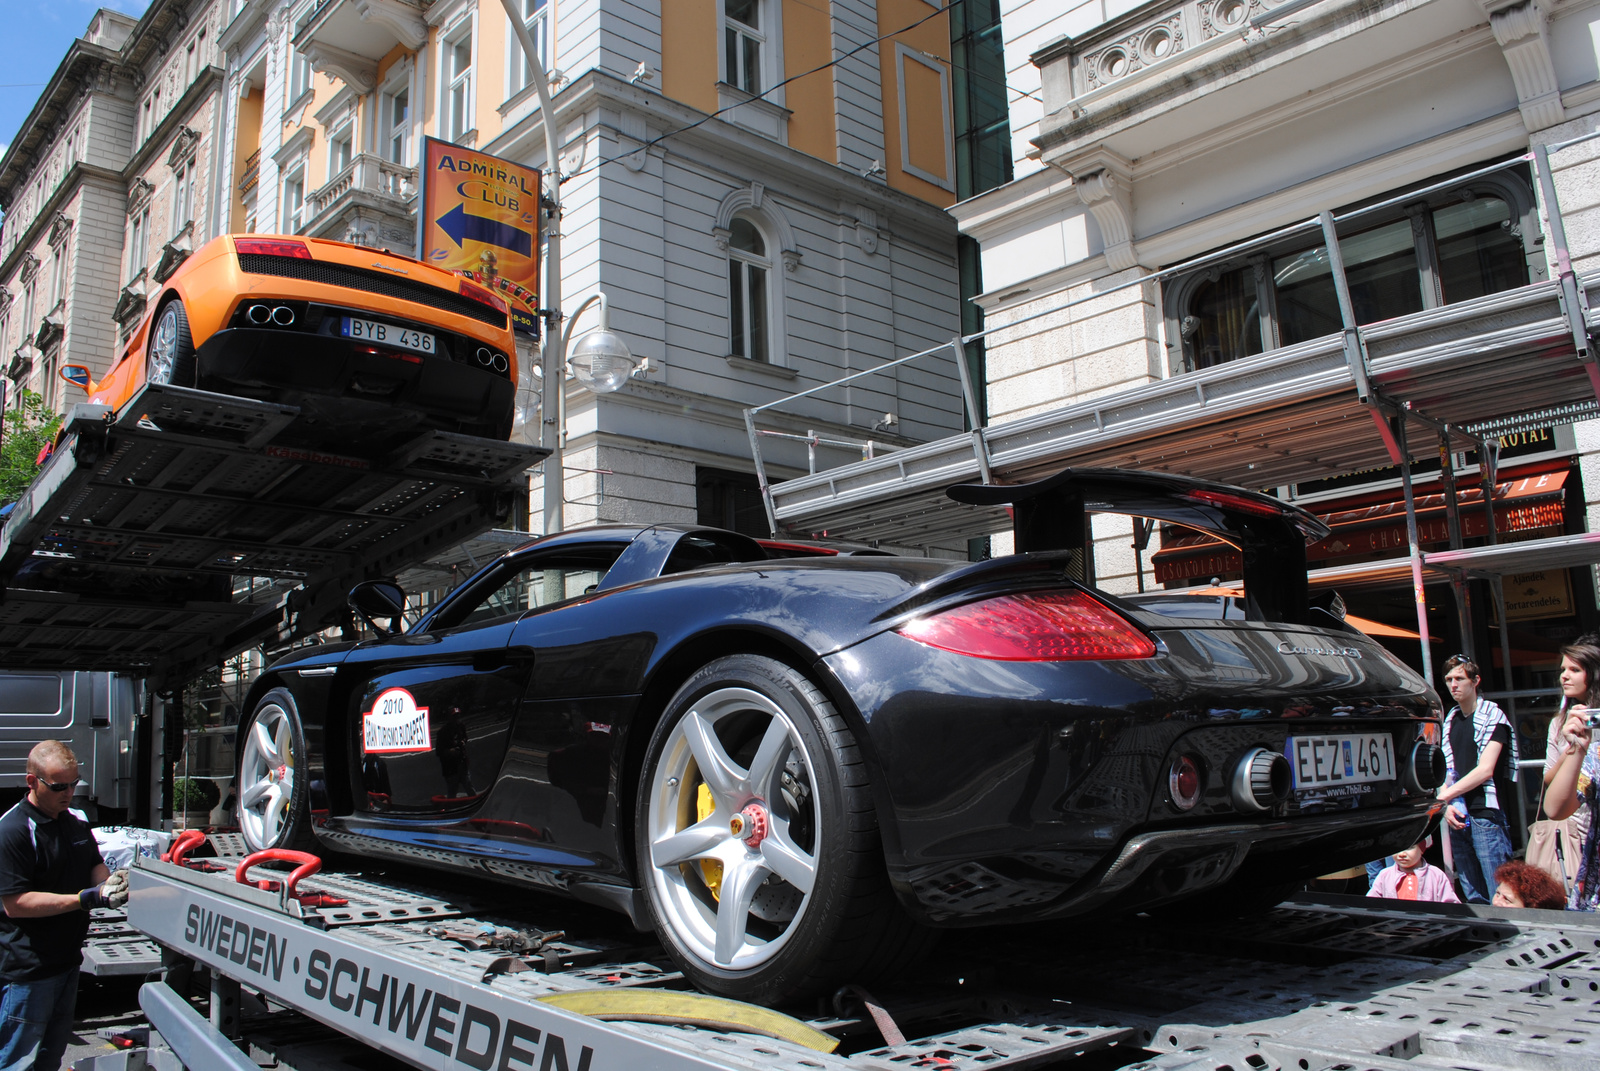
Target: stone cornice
{"type": "Point", "coordinates": [251, 17]}
{"type": "Point", "coordinates": [829, 188]}
{"type": "Point", "coordinates": [80, 172]}
{"type": "Point", "coordinates": [1074, 123]}
{"type": "Point", "coordinates": [154, 30]}
{"type": "Point", "coordinates": [204, 82]}
{"type": "Point", "coordinates": [18, 163]}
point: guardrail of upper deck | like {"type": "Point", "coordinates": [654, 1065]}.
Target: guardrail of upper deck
{"type": "Point", "coordinates": [1544, 199]}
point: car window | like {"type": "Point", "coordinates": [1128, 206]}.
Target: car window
{"type": "Point", "coordinates": [697, 552]}
{"type": "Point", "coordinates": [1215, 607]}
{"type": "Point", "coordinates": [552, 578]}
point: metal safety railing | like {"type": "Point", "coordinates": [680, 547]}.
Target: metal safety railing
{"type": "Point", "coordinates": [869, 448]}
{"type": "Point", "coordinates": [1389, 419]}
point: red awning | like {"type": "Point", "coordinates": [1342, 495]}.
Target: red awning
{"type": "Point", "coordinates": [1524, 502]}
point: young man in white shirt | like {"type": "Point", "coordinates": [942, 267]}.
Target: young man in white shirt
{"type": "Point", "coordinates": [1480, 748]}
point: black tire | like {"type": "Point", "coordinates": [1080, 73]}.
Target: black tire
{"type": "Point", "coordinates": [265, 821]}
{"type": "Point", "coordinates": [795, 773]}
{"type": "Point", "coordinates": [169, 356]}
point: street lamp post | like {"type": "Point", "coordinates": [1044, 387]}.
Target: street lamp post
{"type": "Point", "coordinates": [601, 361]}
{"type": "Point", "coordinates": [553, 342]}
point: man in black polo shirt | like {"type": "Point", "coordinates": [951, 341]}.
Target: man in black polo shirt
{"type": "Point", "coordinates": [51, 876]}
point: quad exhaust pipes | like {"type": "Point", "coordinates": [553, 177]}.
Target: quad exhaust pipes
{"type": "Point", "coordinates": [282, 315]}
{"type": "Point", "coordinates": [1260, 781]}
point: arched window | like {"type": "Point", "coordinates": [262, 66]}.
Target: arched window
{"type": "Point", "coordinates": [749, 291]}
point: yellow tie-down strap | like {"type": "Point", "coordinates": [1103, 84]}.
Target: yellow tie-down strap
{"type": "Point", "coordinates": [694, 1009]}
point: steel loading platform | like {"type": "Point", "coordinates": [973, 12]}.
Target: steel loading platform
{"type": "Point", "coordinates": [436, 979]}
{"type": "Point", "coordinates": [191, 492]}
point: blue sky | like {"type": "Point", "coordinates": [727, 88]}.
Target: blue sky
{"type": "Point", "coordinates": [36, 36]}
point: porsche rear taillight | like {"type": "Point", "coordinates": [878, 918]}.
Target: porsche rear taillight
{"type": "Point", "coordinates": [482, 296]}
{"type": "Point", "coordinates": [1035, 626]}
{"type": "Point", "coordinates": [272, 247]}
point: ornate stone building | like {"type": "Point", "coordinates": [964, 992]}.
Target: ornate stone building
{"type": "Point", "coordinates": [105, 189]}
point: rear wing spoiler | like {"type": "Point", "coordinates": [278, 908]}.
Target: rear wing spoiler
{"type": "Point", "coordinates": [1053, 514]}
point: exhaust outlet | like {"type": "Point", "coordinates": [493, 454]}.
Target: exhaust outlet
{"type": "Point", "coordinates": [483, 356]}
{"type": "Point", "coordinates": [499, 363]}
{"type": "Point", "coordinates": [1425, 769]}
{"type": "Point", "coordinates": [283, 316]}
{"type": "Point", "coordinates": [258, 314]}
{"type": "Point", "coordinates": [1260, 782]}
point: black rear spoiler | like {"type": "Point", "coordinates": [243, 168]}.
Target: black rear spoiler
{"type": "Point", "coordinates": [1053, 514]}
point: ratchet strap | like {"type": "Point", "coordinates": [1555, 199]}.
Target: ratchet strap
{"type": "Point", "coordinates": [693, 1009]}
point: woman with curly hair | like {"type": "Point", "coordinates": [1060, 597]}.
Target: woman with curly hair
{"type": "Point", "coordinates": [1519, 885]}
{"type": "Point", "coordinates": [1576, 779]}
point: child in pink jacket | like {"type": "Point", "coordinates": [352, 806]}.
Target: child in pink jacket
{"type": "Point", "coordinates": [1413, 878]}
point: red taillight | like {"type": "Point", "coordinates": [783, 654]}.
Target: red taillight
{"type": "Point", "coordinates": [1038, 626]}
{"type": "Point", "coordinates": [1184, 783]}
{"type": "Point", "coordinates": [1235, 502]}
{"type": "Point", "coordinates": [272, 247]}
{"type": "Point", "coordinates": [483, 297]}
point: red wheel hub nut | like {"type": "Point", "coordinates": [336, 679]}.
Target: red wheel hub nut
{"type": "Point", "coordinates": [755, 824]}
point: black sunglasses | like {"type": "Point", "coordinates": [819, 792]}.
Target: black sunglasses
{"type": "Point", "coordinates": [54, 786]}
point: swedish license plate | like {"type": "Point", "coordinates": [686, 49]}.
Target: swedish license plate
{"type": "Point", "coordinates": [1352, 759]}
{"type": "Point", "coordinates": [387, 334]}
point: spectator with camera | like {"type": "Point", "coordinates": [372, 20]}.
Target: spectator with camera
{"type": "Point", "coordinates": [1574, 782]}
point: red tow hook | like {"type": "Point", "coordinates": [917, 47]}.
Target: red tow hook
{"type": "Point", "coordinates": [308, 865]}
{"type": "Point", "coordinates": [187, 841]}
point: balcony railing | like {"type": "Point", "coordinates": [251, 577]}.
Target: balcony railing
{"type": "Point", "coordinates": [252, 173]}
{"type": "Point", "coordinates": [367, 172]}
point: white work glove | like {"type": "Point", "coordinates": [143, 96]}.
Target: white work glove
{"type": "Point", "coordinates": [112, 893]}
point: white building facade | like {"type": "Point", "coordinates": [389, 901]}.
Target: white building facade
{"type": "Point", "coordinates": [1150, 134]}
{"type": "Point", "coordinates": [796, 235]}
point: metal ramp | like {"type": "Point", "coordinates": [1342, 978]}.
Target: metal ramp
{"type": "Point", "coordinates": [1286, 416]}
{"type": "Point", "coordinates": [1315, 984]}
{"type": "Point", "coordinates": [196, 524]}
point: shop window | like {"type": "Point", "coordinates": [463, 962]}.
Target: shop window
{"type": "Point", "coordinates": [1455, 245]}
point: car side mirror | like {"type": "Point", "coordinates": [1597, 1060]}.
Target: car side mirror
{"type": "Point", "coordinates": [373, 599]}
{"type": "Point", "coordinates": [78, 376]}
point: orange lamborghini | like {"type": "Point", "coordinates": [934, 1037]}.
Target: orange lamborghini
{"type": "Point", "coordinates": [368, 344]}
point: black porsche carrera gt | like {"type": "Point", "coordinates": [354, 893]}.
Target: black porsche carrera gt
{"type": "Point", "coordinates": [791, 767]}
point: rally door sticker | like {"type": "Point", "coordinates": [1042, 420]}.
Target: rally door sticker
{"type": "Point", "coordinates": [395, 725]}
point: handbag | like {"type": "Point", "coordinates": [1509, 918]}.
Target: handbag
{"type": "Point", "coordinates": [1554, 848]}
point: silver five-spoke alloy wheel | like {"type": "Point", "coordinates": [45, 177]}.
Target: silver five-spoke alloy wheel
{"type": "Point", "coordinates": [733, 883]}
{"type": "Point", "coordinates": [266, 777]}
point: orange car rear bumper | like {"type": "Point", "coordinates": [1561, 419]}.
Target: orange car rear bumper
{"type": "Point", "coordinates": [295, 366]}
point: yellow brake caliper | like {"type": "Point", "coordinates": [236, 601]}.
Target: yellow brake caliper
{"type": "Point", "coordinates": [710, 869]}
